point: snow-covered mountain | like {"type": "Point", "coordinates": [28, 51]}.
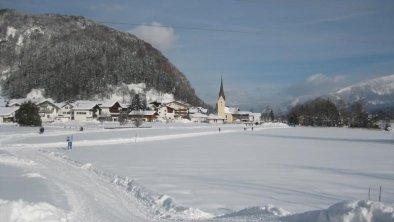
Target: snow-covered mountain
{"type": "Point", "coordinates": [378, 92]}
{"type": "Point", "coordinates": [71, 57]}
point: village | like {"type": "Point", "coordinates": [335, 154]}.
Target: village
{"type": "Point", "coordinates": [89, 111]}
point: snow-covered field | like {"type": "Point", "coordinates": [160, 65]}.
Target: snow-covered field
{"type": "Point", "coordinates": [188, 171]}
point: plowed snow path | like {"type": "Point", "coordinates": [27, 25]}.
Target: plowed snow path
{"type": "Point", "coordinates": [90, 197]}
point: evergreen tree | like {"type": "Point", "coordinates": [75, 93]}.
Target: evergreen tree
{"type": "Point", "coordinates": [138, 102]}
{"type": "Point", "coordinates": [271, 115]}
{"type": "Point", "coordinates": [123, 117]}
{"type": "Point", "coordinates": [28, 115]}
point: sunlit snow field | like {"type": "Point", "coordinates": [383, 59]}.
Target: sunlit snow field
{"type": "Point", "coordinates": [296, 168]}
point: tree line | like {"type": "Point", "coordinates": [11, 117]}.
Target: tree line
{"type": "Point", "coordinates": [323, 112]}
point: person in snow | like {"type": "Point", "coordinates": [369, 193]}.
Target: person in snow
{"type": "Point", "coordinates": [219, 129]}
{"type": "Point", "coordinates": [41, 130]}
{"type": "Point", "coordinates": [69, 142]}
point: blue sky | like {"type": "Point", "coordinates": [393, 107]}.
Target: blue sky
{"type": "Point", "coordinates": [268, 52]}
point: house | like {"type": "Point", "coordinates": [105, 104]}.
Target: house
{"type": "Point", "coordinates": [241, 117]}
{"type": "Point", "coordinates": [48, 110]}
{"type": "Point", "coordinates": [215, 119]}
{"type": "Point", "coordinates": [255, 118]}
{"type": "Point", "coordinates": [84, 110]}
{"type": "Point", "coordinates": [228, 113]}
{"type": "Point", "coordinates": [110, 110]}
{"type": "Point", "coordinates": [65, 112]}
{"type": "Point", "coordinates": [15, 102]}
{"type": "Point", "coordinates": [198, 110]}
{"type": "Point", "coordinates": [146, 115]}
{"type": "Point", "coordinates": [198, 118]}
{"type": "Point", "coordinates": [7, 114]}
{"type": "Point", "coordinates": [181, 108]}
{"type": "Point", "coordinates": [166, 113]}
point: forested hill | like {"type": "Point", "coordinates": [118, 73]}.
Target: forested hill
{"type": "Point", "coordinates": [75, 58]}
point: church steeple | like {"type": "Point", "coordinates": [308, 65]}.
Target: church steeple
{"type": "Point", "coordinates": [221, 104]}
{"type": "Point", "coordinates": [221, 92]}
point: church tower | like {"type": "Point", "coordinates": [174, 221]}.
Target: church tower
{"type": "Point", "coordinates": [221, 101]}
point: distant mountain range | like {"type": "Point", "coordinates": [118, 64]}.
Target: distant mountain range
{"type": "Point", "coordinates": [376, 93]}
{"type": "Point", "coordinates": [70, 57]}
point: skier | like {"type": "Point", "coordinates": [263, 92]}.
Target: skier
{"type": "Point", "coordinates": [69, 142]}
{"type": "Point", "coordinates": [219, 129]}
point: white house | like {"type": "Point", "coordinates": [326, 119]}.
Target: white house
{"type": "Point", "coordinates": [215, 119]}
{"type": "Point", "coordinates": [110, 110]}
{"type": "Point", "coordinates": [181, 108]}
{"type": "Point", "coordinates": [84, 110]}
{"type": "Point", "coordinates": [198, 118]}
{"type": "Point", "coordinates": [7, 114]}
{"type": "Point", "coordinates": [198, 110]}
{"type": "Point", "coordinates": [166, 113]}
{"type": "Point", "coordinates": [48, 110]}
{"type": "Point", "coordinates": [65, 112]}
{"type": "Point", "coordinates": [255, 118]}
{"type": "Point", "coordinates": [146, 115]}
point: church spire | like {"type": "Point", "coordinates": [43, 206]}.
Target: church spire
{"type": "Point", "coordinates": [221, 92]}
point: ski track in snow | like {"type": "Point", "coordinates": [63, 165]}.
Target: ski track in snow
{"type": "Point", "coordinates": [90, 197]}
{"type": "Point", "coordinates": [136, 139]}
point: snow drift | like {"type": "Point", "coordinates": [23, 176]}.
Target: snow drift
{"type": "Point", "coordinates": [350, 211]}
{"type": "Point", "coordinates": [21, 211]}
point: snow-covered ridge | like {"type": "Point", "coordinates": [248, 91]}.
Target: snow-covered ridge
{"type": "Point", "coordinates": [380, 86]}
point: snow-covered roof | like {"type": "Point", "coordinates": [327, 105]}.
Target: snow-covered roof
{"type": "Point", "coordinates": [178, 102]}
{"type": "Point", "coordinates": [107, 104]}
{"type": "Point", "coordinates": [84, 104]}
{"type": "Point", "coordinates": [49, 101]}
{"type": "Point", "coordinates": [18, 102]}
{"type": "Point", "coordinates": [198, 110]}
{"type": "Point", "coordinates": [198, 115]}
{"type": "Point", "coordinates": [243, 113]}
{"type": "Point", "coordinates": [143, 112]}
{"type": "Point", "coordinates": [7, 111]}
{"type": "Point", "coordinates": [231, 110]}
{"type": "Point", "coordinates": [212, 116]}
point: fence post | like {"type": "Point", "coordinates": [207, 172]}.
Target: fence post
{"type": "Point", "coordinates": [380, 194]}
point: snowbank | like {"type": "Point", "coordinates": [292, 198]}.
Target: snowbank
{"type": "Point", "coordinates": [272, 124]}
{"type": "Point", "coordinates": [258, 213]}
{"type": "Point", "coordinates": [21, 211]}
{"type": "Point", "coordinates": [350, 211]}
{"type": "Point", "coordinates": [14, 161]}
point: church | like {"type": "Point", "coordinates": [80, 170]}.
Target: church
{"type": "Point", "coordinates": [222, 110]}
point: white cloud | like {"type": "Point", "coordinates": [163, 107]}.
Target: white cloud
{"type": "Point", "coordinates": [320, 78]}
{"type": "Point", "coordinates": [313, 86]}
{"type": "Point", "coordinates": [161, 37]}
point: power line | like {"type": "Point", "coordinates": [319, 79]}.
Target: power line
{"type": "Point", "coordinates": [183, 27]}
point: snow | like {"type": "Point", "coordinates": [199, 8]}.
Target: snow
{"type": "Point", "coordinates": [349, 211]}
{"type": "Point", "coordinates": [33, 175]}
{"type": "Point", "coordinates": [11, 31]}
{"type": "Point", "coordinates": [152, 95]}
{"type": "Point", "coordinates": [22, 211]}
{"type": "Point", "coordinates": [380, 86]}
{"type": "Point", "coordinates": [35, 94]}
{"type": "Point", "coordinates": [187, 171]}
